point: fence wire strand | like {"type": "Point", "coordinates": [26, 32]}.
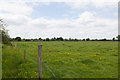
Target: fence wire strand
{"type": "Point", "coordinates": [42, 62]}
{"type": "Point", "coordinates": [49, 70]}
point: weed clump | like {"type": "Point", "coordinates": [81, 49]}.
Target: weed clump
{"type": "Point", "coordinates": [87, 61]}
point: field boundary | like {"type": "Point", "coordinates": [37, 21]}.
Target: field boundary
{"type": "Point", "coordinates": [39, 55]}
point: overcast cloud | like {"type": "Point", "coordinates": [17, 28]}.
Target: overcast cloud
{"type": "Point", "coordinates": [83, 24]}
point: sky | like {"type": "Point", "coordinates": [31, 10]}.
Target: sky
{"type": "Point", "coordinates": [66, 18]}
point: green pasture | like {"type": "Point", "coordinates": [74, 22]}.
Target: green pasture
{"type": "Point", "coordinates": [66, 59]}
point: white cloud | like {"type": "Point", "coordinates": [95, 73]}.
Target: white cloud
{"type": "Point", "coordinates": [11, 19]}
{"type": "Point", "coordinates": [86, 25]}
{"type": "Point", "coordinates": [15, 7]}
{"type": "Point", "coordinates": [94, 3]}
{"type": "Point", "coordinates": [20, 6]}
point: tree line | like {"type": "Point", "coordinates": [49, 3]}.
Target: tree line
{"type": "Point", "coordinates": [62, 39]}
{"type": "Point", "coordinates": [7, 40]}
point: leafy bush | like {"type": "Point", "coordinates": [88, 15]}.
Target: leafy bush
{"type": "Point", "coordinates": [4, 33]}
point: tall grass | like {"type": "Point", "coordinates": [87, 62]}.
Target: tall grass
{"type": "Point", "coordinates": [66, 59]}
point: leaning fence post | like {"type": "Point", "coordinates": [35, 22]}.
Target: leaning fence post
{"type": "Point", "coordinates": [40, 60]}
{"type": "Point", "coordinates": [24, 54]}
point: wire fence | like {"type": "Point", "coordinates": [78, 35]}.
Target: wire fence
{"type": "Point", "coordinates": [49, 69]}
{"type": "Point", "coordinates": [44, 64]}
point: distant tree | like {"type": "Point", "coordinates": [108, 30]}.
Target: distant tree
{"type": "Point", "coordinates": [104, 39]}
{"type": "Point", "coordinates": [59, 39]}
{"type": "Point", "coordinates": [34, 39]}
{"type": "Point", "coordinates": [118, 37]}
{"type": "Point", "coordinates": [96, 39]}
{"type": "Point", "coordinates": [83, 40]}
{"type": "Point", "coordinates": [47, 39]}
{"type": "Point", "coordinates": [92, 40]}
{"type": "Point", "coordinates": [31, 39]}
{"type": "Point", "coordinates": [18, 38]}
{"type": "Point", "coordinates": [53, 39]}
{"type": "Point", "coordinates": [79, 40]}
{"type": "Point", "coordinates": [12, 39]}
{"type": "Point", "coordinates": [87, 39]}
{"type": "Point", "coordinates": [75, 39]}
{"type": "Point", "coordinates": [27, 39]}
{"type": "Point", "coordinates": [23, 39]}
{"type": "Point", "coordinates": [44, 39]}
{"type": "Point", "coordinates": [113, 39]}
{"type": "Point", "coordinates": [70, 39]}
{"type": "Point", "coordinates": [65, 39]}
{"type": "Point", "coordinates": [40, 39]}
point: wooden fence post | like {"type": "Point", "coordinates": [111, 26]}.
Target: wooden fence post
{"type": "Point", "coordinates": [18, 48]}
{"type": "Point", "coordinates": [24, 54]}
{"type": "Point", "coordinates": [40, 60]}
{"type": "Point", "coordinates": [15, 45]}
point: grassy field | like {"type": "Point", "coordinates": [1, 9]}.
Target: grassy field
{"type": "Point", "coordinates": [82, 59]}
